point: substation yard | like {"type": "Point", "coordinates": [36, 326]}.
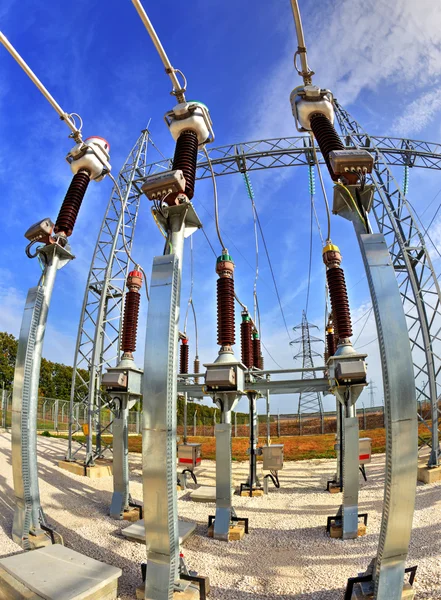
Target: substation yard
{"type": "Point", "coordinates": [287, 553]}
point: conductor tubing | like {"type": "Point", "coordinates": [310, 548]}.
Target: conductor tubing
{"type": "Point", "coordinates": [130, 325]}
{"type": "Point", "coordinates": [225, 311]}
{"type": "Point", "coordinates": [71, 204]}
{"type": "Point", "coordinates": [185, 159]}
{"type": "Point", "coordinates": [339, 302]}
{"type": "Point", "coordinates": [183, 359]}
{"type": "Point", "coordinates": [246, 344]}
{"type": "Point", "coordinates": [327, 138]}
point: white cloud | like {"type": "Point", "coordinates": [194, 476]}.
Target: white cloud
{"type": "Point", "coordinates": [417, 115]}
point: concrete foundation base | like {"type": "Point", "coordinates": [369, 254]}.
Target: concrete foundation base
{"type": "Point", "coordinates": [102, 468]}
{"type": "Point", "coordinates": [37, 541]}
{"type": "Point", "coordinates": [191, 593]}
{"type": "Point", "coordinates": [334, 488]}
{"type": "Point", "coordinates": [258, 493]}
{"type": "Point", "coordinates": [427, 475]}
{"type": "Point", "coordinates": [56, 573]}
{"type": "Point", "coordinates": [408, 593]}
{"type": "Point", "coordinates": [136, 532]}
{"type": "Point", "coordinates": [131, 515]}
{"type": "Point", "coordinates": [236, 532]}
{"type": "Point", "coordinates": [337, 531]}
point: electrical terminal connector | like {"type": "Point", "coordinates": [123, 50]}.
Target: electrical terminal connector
{"type": "Point", "coordinates": [352, 161]}
{"type": "Point", "coordinates": [191, 115]}
{"type": "Point", "coordinates": [92, 156]}
{"type": "Point", "coordinates": [160, 185]}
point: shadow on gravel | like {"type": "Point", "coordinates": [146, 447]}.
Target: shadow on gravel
{"type": "Point", "coordinates": [235, 594]}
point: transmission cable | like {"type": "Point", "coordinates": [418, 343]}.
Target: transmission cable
{"type": "Point", "coordinates": [270, 355]}
{"type": "Point", "coordinates": [216, 203]}
{"type": "Point", "coordinates": [365, 323]}
{"type": "Point", "coordinates": [310, 258]}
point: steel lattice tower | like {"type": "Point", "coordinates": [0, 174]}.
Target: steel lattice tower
{"type": "Point", "coordinates": [419, 287]}
{"type": "Point", "coordinates": [394, 218]}
{"type": "Point", "coordinates": [98, 341]}
{"type": "Point", "coordinates": [309, 402]}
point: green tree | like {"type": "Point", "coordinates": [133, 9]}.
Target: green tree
{"type": "Point", "coordinates": [8, 356]}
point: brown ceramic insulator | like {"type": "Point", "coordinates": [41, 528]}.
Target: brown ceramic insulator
{"type": "Point", "coordinates": [196, 369]}
{"type": "Point", "coordinates": [246, 344]}
{"type": "Point", "coordinates": [71, 204]}
{"type": "Point", "coordinates": [339, 302]}
{"type": "Point", "coordinates": [257, 353]}
{"type": "Point", "coordinates": [183, 358]}
{"type": "Point", "coordinates": [130, 324]}
{"type": "Point", "coordinates": [185, 159]}
{"type": "Point", "coordinates": [225, 311]}
{"type": "Point", "coordinates": [330, 344]}
{"type": "Point", "coordinates": [327, 138]}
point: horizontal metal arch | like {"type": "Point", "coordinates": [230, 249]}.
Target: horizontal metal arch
{"type": "Point", "coordinates": [296, 151]}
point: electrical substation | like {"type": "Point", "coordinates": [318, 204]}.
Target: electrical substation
{"type": "Point", "coordinates": [183, 511]}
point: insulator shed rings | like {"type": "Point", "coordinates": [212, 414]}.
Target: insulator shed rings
{"type": "Point", "coordinates": [183, 356]}
{"type": "Point", "coordinates": [72, 203]}
{"type": "Point", "coordinates": [130, 325]}
{"type": "Point", "coordinates": [246, 331]}
{"type": "Point", "coordinates": [339, 302]}
{"type": "Point", "coordinates": [185, 159]}
{"type": "Point", "coordinates": [327, 138]}
{"type": "Point", "coordinates": [257, 352]}
{"type": "Point", "coordinates": [225, 311]}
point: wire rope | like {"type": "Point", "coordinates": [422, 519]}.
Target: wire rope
{"type": "Point", "coordinates": [365, 323]}
{"type": "Point", "coordinates": [216, 202]}
{"type": "Point", "coordinates": [322, 185]}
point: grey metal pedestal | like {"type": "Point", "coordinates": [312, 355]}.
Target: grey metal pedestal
{"type": "Point", "coordinates": [136, 531]}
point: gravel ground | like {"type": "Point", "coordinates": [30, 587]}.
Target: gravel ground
{"type": "Point", "coordinates": [287, 553]}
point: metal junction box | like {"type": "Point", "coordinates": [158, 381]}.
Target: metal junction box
{"type": "Point", "coordinates": [351, 371]}
{"type": "Point", "coordinates": [225, 376]}
{"type": "Point", "coordinates": [189, 456]}
{"type": "Point", "coordinates": [365, 450]}
{"type": "Point", "coordinates": [123, 379]}
{"type": "Point", "coordinates": [273, 457]}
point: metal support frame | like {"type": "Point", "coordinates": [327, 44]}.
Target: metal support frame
{"type": "Point", "coordinates": [29, 520]}
{"type": "Point", "coordinates": [417, 280]}
{"type": "Point", "coordinates": [309, 402]}
{"type": "Point", "coordinates": [350, 472]}
{"type": "Point", "coordinates": [121, 496]}
{"type": "Point", "coordinates": [252, 482]}
{"type": "Point", "coordinates": [98, 341]}
{"type": "Point", "coordinates": [159, 413]}
{"type": "Point", "coordinates": [224, 479]}
{"type": "Point", "coordinates": [268, 418]}
{"type": "Point", "coordinates": [400, 413]}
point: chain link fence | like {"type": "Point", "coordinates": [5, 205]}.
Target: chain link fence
{"type": "Point", "coordinates": [53, 416]}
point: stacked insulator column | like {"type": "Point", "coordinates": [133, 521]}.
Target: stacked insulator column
{"type": "Point", "coordinates": [341, 316]}
{"type": "Point", "coordinates": [196, 368]}
{"type": "Point", "coordinates": [328, 141]}
{"type": "Point", "coordinates": [246, 331]}
{"type": "Point", "coordinates": [225, 301]}
{"type": "Point", "coordinates": [185, 159]}
{"type": "Point", "coordinates": [72, 203]}
{"type": "Point", "coordinates": [257, 352]}
{"type": "Point", "coordinates": [183, 358]}
{"type": "Point", "coordinates": [131, 313]}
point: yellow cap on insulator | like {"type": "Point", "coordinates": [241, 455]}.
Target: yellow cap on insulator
{"type": "Point", "coordinates": [330, 248]}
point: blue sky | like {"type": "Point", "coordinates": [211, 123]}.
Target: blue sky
{"type": "Point", "coordinates": [383, 64]}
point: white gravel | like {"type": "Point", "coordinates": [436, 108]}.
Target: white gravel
{"type": "Point", "coordinates": [287, 553]}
